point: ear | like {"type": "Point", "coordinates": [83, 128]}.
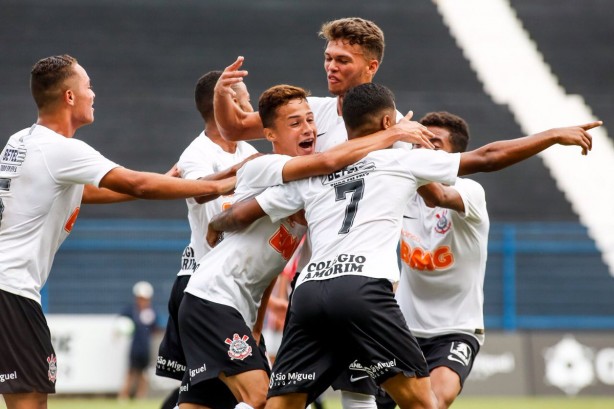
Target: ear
{"type": "Point", "coordinates": [269, 134]}
{"type": "Point", "coordinates": [387, 121]}
{"type": "Point", "coordinates": [372, 67]}
{"type": "Point", "coordinates": [69, 97]}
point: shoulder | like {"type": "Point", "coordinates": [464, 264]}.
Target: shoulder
{"type": "Point", "coordinates": [246, 148]}
{"type": "Point", "coordinates": [470, 187]}
{"type": "Point", "coordinates": [263, 164]}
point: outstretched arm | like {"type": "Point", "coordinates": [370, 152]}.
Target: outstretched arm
{"type": "Point", "coordinates": [501, 154]}
{"type": "Point", "coordinates": [100, 195]}
{"type": "Point", "coordinates": [233, 123]}
{"type": "Point", "coordinates": [145, 185]}
{"type": "Point", "coordinates": [353, 150]}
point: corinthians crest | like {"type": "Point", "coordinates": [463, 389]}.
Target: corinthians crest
{"type": "Point", "coordinates": [53, 368]}
{"type": "Point", "coordinates": [443, 222]}
{"type": "Point", "coordinates": [239, 348]}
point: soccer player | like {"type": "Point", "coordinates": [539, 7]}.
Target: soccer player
{"type": "Point", "coordinates": [219, 310]}
{"type": "Point", "coordinates": [45, 175]}
{"type": "Point", "coordinates": [354, 51]}
{"type": "Point", "coordinates": [212, 157]}
{"type": "Point", "coordinates": [444, 245]}
{"type": "Point", "coordinates": [343, 308]}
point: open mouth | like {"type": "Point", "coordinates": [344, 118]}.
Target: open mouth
{"type": "Point", "coordinates": [307, 143]}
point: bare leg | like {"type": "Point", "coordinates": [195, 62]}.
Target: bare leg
{"type": "Point", "coordinates": [250, 387]}
{"type": "Point", "coordinates": [446, 386]}
{"type": "Point", "coordinates": [141, 384]}
{"type": "Point", "coordinates": [32, 400]}
{"type": "Point", "coordinates": [411, 393]}
{"type": "Point", "coordinates": [290, 401]}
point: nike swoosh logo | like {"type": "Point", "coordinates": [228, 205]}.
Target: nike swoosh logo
{"type": "Point", "coordinates": [320, 134]}
{"type": "Point", "coordinates": [409, 217]}
{"type": "Point", "coordinates": [354, 379]}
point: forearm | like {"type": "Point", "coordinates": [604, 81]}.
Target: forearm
{"type": "Point", "coordinates": [95, 195]}
{"type": "Point", "coordinates": [146, 185]}
{"type": "Point", "coordinates": [438, 195]}
{"type": "Point", "coordinates": [233, 123]}
{"type": "Point", "coordinates": [237, 217]}
{"type": "Point", "coordinates": [501, 154]}
{"type": "Point", "coordinates": [339, 156]}
{"type": "Point", "coordinates": [264, 302]}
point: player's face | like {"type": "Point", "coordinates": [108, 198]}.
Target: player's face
{"type": "Point", "coordinates": [294, 129]}
{"type": "Point", "coordinates": [82, 96]}
{"type": "Point", "coordinates": [242, 97]}
{"type": "Point", "coordinates": [441, 140]}
{"type": "Point", "coordinates": [347, 66]}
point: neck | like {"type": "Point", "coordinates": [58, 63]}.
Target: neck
{"type": "Point", "coordinates": [58, 122]}
{"type": "Point", "coordinates": [340, 105]}
{"type": "Point", "coordinates": [214, 134]}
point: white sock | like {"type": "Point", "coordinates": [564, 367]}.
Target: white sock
{"type": "Point", "coordinates": [352, 400]}
{"type": "Point", "coordinates": [243, 405]}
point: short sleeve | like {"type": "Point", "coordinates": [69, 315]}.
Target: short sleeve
{"type": "Point", "coordinates": [432, 166]}
{"type": "Point", "coordinates": [75, 162]}
{"type": "Point", "coordinates": [474, 199]}
{"type": "Point", "coordinates": [281, 201]}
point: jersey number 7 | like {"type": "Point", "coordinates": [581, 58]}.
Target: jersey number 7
{"type": "Point", "coordinates": [356, 187]}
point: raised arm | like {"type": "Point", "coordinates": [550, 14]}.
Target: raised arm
{"type": "Point", "coordinates": [498, 155]}
{"type": "Point", "coordinates": [233, 123]}
{"type": "Point", "coordinates": [352, 151]}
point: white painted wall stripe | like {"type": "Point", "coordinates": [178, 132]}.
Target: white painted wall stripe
{"type": "Point", "coordinates": [513, 72]}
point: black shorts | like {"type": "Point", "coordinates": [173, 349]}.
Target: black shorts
{"type": "Point", "coordinates": [27, 359]}
{"type": "Point", "coordinates": [171, 361]}
{"type": "Point", "coordinates": [454, 351]}
{"type": "Point", "coordinates": [216, 339]}
{"type": "Point", "coordinates": [335, 322]}
{"type": "Point", "coordinates": [212, 393]}
{"type": "Point", "coordinates": [356, 379]}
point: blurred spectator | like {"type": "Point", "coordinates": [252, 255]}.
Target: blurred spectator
{"type": "Point", "coordinates": [144, 319]}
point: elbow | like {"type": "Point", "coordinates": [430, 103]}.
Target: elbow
{"type": "Point", "coordinates": [141, 187]}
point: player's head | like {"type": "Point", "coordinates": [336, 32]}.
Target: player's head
{"type": "Point", "coordinates": [354, 52]}
{"type": "Point", "coordinates": [204, 91]}
{"type": "Point", "coordinates": [451, 131]}
{"type": "Point", "coordinates": [368, 108]}
{"type": "Point", "coordinates": [60, 82]}
{"type": "Point", "coordinates": [288, 120]}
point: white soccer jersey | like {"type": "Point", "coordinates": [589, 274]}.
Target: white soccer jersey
{"type": "Point", "coordinates": [443, 255]}
{"type": "Point", "coordinates": [354, 215]}
{"type": "Point", "coordinates": [238, 270]}
{"type": "Point", "coordinates": [202, 158]}
{"type": "Point", "coordinates": [330, 125]}
{"type": "Point", "coordinates": [42, 174]}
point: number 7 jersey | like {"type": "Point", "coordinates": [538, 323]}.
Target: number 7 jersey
{"type": "Point", "coordinates": [354, 215]}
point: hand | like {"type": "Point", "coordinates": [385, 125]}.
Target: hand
{"type": "Point", "coordinates": [214, 237]}
{"type": "Point", "coordinates": [235, 168]}
{"type": "Point", "coordinates": [577, 135]}
{"type": "Point", "coordinates": [227, 186]}
{"type": "Point", "coordinates": [417, 133]}
{"type": "Point", "coordinates": [174, 172]}
{"type": "Point", "coordinates": [231, 75]}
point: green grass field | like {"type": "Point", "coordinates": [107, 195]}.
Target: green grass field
{"type": "Point", "coordinates": [462, 403]}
